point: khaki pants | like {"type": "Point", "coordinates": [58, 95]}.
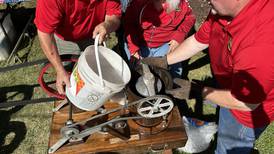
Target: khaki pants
{"type": "Point", "coordinates": [68, 47]}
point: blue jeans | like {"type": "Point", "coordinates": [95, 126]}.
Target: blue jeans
{"type": "Point", "coordinates": [124, 4]}
{"type": "Point", "coordinates": [176, 70]}
{"type": "Point", "coordinates": [233, 137]}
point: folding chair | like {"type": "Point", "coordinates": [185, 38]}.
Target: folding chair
{"type": "Point", "coordinates": [10, 5]}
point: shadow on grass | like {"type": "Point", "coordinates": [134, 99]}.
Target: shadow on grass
{"type": "Point", "coordinates": [8, 128]}
{"type": "Point", "coordinates": [12, 129]}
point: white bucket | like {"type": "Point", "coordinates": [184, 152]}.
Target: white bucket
{"type": "Point", "coordinates": [97, 77]}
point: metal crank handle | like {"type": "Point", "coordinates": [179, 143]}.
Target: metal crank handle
{"type": "Point", "coordinates": [58, 144]}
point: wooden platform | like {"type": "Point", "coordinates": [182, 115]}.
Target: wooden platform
{"type": "Point", "coordinates": [172, 137]}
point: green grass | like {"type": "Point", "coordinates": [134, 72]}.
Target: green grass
{"type": "Point", "coordinates": [25, 130]}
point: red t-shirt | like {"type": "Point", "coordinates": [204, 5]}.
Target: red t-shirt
{"type": "Point", "coordinates": [242, 58]}
{"type": "Point", "coordinates": [73, 20]}
{"type": "Point", "coordinates": [146, 26]}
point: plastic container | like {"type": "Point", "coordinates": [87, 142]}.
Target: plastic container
{"type": "Point", "coordinates": [95, 80]}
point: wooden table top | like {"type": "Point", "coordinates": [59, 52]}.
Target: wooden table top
{"type": "Point", "coordinates": [172, 137]}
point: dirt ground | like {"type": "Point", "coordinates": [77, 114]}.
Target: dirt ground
{"type": "Point", "coordinates": [201, 9]}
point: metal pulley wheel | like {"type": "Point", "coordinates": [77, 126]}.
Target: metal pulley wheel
{"type": "Point", "coordinates": [155, 106]}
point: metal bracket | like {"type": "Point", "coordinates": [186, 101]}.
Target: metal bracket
{"type": "Point", "coordinates": [61, 105]}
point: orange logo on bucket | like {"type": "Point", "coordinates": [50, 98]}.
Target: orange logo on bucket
{"type": "Point", "coordinates": [79, 82]}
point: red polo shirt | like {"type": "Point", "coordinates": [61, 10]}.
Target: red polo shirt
{"type": "Point", "coordinates": [242, 58]}
{"type": "Point", "coordinates": [73, 20]}
{"type": "Point", "coordinates": [146, 26]}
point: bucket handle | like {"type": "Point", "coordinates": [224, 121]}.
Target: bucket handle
{"type": "Point", "coordinates": [96, 44]}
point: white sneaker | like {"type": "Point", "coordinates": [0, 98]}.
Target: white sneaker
{"type": "Point", "coordinates": [199, 137]}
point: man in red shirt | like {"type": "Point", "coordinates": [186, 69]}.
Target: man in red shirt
{"type": "Point", "coordinates": [239, 35]}
{"type": "Point", "coordinates": [156, 27]}
{"type": "Point", "coordinates": [67, 26]}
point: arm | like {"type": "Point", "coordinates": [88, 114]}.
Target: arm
{"type": "Point", "coordinates": [183, 52]}
{"type": "Point", "coordinates": [252, 79]}
{"type": "Point", "coordinates": [186, 50]}
{"type": "Point", "coordinates": [111, 24]}
{"type": "Point", "coordinates": [225, 99]}
{"type": "Point", "coordinates": [193, 44]}
{"type": "Point", "coordinates": [49, 48]}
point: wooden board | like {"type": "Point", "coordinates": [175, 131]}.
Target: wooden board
{"type": "Point", "coordinates": [172, 137]}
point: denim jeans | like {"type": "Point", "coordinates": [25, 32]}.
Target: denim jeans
{"type": "Point", "coordinates": [125, 4]}
{"type": "Point", "coordinates": [233, 137]}
{"type": "Point", "coordinates": [176, 70]}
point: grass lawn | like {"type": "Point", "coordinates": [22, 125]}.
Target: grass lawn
{"type": "Point", "coordinates": [26, 129]}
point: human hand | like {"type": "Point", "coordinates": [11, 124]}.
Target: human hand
{"type": "Point", "coordinates": [100, 29]}
{"type": "Point", "coordinates": [136, 55]}
{"type": "Point", "coordinates": [173, 45]}
{"type": "Point", "coordinates": [160, 62]}
{"type": "Point", "coordinates": [62, 79]}
{"type": "Point", "coordinates": [187, 89]}
{"type": "Point", "coordinates": [135, 58]}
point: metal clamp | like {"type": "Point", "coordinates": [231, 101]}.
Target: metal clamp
{"type": "Point", "coordinates": [61, 105]}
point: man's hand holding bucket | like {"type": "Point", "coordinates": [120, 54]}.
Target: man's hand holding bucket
{"type": "Point", "coordinates": [62, 79]}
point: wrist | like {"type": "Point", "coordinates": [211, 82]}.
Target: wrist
{"type": "Point", "coordinates": [206, 91]}
{"type": "Point", "coordinates": [60, 69]}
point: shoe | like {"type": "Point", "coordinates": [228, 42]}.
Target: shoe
{"type": "Point", "coordinates": [199, 135]}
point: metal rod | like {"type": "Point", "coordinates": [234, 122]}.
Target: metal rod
{"type": "Point", "coordinates": [20, 38]}
{"type": "Point", "coordinates": [70, 120]}
{"type": "Point", "coordinates": [70, 110]}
